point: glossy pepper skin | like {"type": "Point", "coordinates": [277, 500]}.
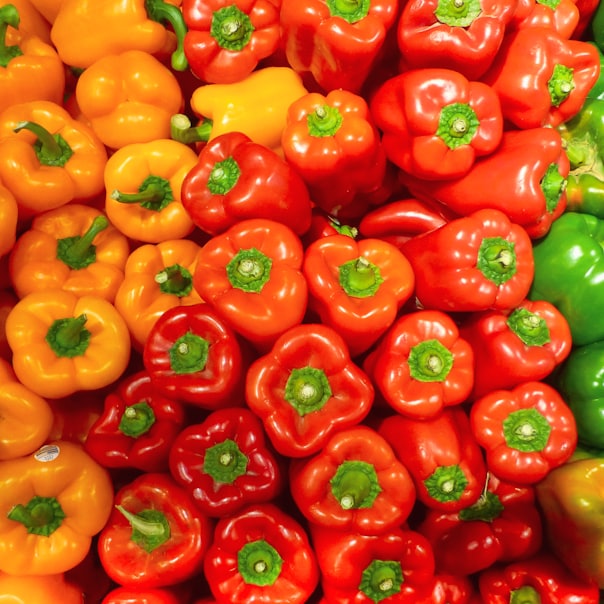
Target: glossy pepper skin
{"type": "Point", "coordinates": [251, 275]}
{"type": "Point", "coordinates": [513, 346]}
{"type": "Point", "coordinates": [226, 40]}
{"type": "Point", "coordinates": [39, 589]}
{"type": "Point", "coordinates": [136, 427]}
{"type": "Point", "coordinates": [435, 122]}
{"type": "Point", "coordinates": [306, 389]}
{"type": "Point", "coordinates": [155, 536]}
{"type": "Point", "coordinates": [563, 17]}
{"type": "Point", "coordinates": [331, 140]}
{"type": "Point", "coordinates": [235, 178]}
{"type": "Point", "coordinates": [525, 432]}
{"type": "Point", "coordinates": [442, 456]}
{"type": "Point", "coordinates": [262, 555]}
{"type": "Point", "coordinates": [542, 79]}
{"type": "Point", "coordinates": [225, 463]}
{"type": "Point", "coordinates": [530, 189]}
{"type": "Point", "coordinates": [422, 365]}
{"type": "Point", "coordinates": [63, 343]}
{"type": "Point", "coordinates": [74, 248]}
{"type": "Point", "coordinates": [9, 219]}
{"type": "Point", "coordinates": [338, 44]}
{"type": "Point", "coordinates": [472, 263]}
{"type": "Point", "coordinates": [354, 483]}
{"type": "Point", "coordinates": [193, 356]}
{"type": "Point", "coordinates": [129, 595]}
{"type": "Point", "coordinates": [53, 502]}
{"type": "Point", "coordinates": [503, 525]}
{"type": "Point", "coordinates": [48, 158]}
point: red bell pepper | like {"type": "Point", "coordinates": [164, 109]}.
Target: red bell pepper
{"type": "Point", "coordinates": [354, 483]}
{"type": "Point", "coordinates": [224, 462]}
{"type": "Point", "coordinates": [435, 122]}
{"type": "Point", "coordinates": [324, 225]}
{"type": "Point", "coordinates": [132, 595]}
{"type": "Point", "coordinates": [337, 43]}
{"type": "Point", "coordinates": [442, 456]}
{"type": "Point", "coordinates": [364, 569]}
{"type": "Point", "coordinates": [562, 16]}
{"type": "Point", "coordinates": [525, 432]}
{"type": "Point", "coordinates": [542, 79]}
{"type": "Point", "coordinates": [530, 188]}
{"type": "Point", "coordinates": [192, 355]}
{"type": "Point", "coordinates": [332, 142]}
{"type": "Point", "coordinates": [503, 525]}
{"type": "Point", "coordinates": [422, 365]}
{"type": "Point", "coordinates": [542, 579]}
{"type": "Point", "coordinates": [155, 536]}
{"type": "Point", "coordinates": [136, 427]}
{"type": "Point", "coordinates": [357, 287]}
{"type": "Point", "coordinates": [307, 388]}
{"type": "Point", "coordinates": [261, 555]}
{"type": "Point", "coordinates": [237, 179]}
{"type": "Point", "coordinates": [226, 39]}
{"type": "Point", "coordinates": [472, 263]}
{"type": "Point", "coordinates": [514, 346]}
{"type": "Point", "coordinates": [252, 276]}
{"type": "Point", "coordinates": [465, 37]}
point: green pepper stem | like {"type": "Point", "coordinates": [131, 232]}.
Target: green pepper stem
{"type": "Point", "coordinates": [161, 11]}
{"type": "Point", "coordinates": [79, 252]}
{"type": "Point", "coordinates": [175, 279]}
{"type": "Point", "coordinates": [525, 595]}
{"type": "Point", "coordinates": [9, 15]}
{"type": "Point", "coordinates": [69, 337]}
{"type": "Point", "coordinates": [259, 563]}
{"type": "Point", "coordinates": [349, 10]}
{"type": "Point", "coordinates": [355, 485]}
{"type": "Point", "coordinates": [40, 515]}
{"type": "Point", "coordinates": [529, 327]}
{"type": "Point", "coordinates": [50, 146]}
{"type": "Point", "coordinates": [184, 132]}
{"type": "Point", "coordinates": [225, 462]}
{"type": "Point", "coordinates": [150, 528]}
{"type": "Point", "coordinates": [137, 419]}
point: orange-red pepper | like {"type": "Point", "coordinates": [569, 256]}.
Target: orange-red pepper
{"type": "Point", "coordinates": [39, 589]}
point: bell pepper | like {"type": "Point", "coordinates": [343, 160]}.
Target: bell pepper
{"type": "Point", "coordinates": [525, 431]}
{"type": "Point", "coordinates": [226, 39]}
{"type": "Point", "coordinates": [224, 463]}
{"type": "Point", "coordinates": [251, 275]}
{"type": "Point", "coordinates": [465, 38]}
{"type": "Point", "coordinates": [31, 20]}
{"type": "Point", "coordinates": [136, 427]}
{"type": "Point", "coordinates": [85, 31]}
{"type": "Point", "coordinates": [363, 568]}
{"type": "Point", "coordinates": [354, 483]}
{"type": "Point", "coordinates": [513, 346]}
{"type": "Point", "coordinates": [435, 122]}
{"type": "Point", "coordinates": [503, 525]}
{"type": "Point", "coordinates": [52, 503]}
{"type": "Point", "coordinates": [130, 595]}
{"type": "Point", "coordinates": [541, 579]}
{"type": "Point", "coordinates": [542, 79]}
{"type": "Point", "coordinates": [306, 389]}
{"type": "Point", "coordinates": [9, 219]}
{"type": "Point", "coordinates": [74, 415]}
{"type": "Point", "coordinates": [338, 44]}
{"type": "Point", "coordinates": [156, 277]}
{"type": "Point", "coordinates": [441, 455]}
{"type": "Point", "coordinates": [530, 189]}
{"type": "Point", "coordinates": [74, 248]}
{"type": "Point", "coordinates": [422, 365]}
{"type": "Point", "coordinates": [235, 178]}
{"type": "Point", "coordinates": [8, 299]}
{"type": "Point", "coordinates": [30, 69]}
{"type": "Point", "coordinates": [128, 97]}
{"type": "Point", "coordinates": [155, 536]}
{"type": "Point", "coordinates": [472, 263]}
{"type": "Point", "coordinates": [39, 589]}
{"type": "Point", "coordinates": [561, 15]}
{"type": "Point", "coordinates": [193, 356]}
{"type": "Point", "coordinates": [263, 555]}
{"type": "Point", "coordinates": [569, 266]}
{"type": "Point", "coordinates": [357, 287]}
{"type": "Point", "coordinates": [48, 158]}
{"type": "Point", "coordinates": [63, 343]}
{"type": "Point", "coordinates": [143, 190]}
{"type": "Point", "coordinates": [332, 141]}
{"type": "Point", "coordinates": [255, 106]}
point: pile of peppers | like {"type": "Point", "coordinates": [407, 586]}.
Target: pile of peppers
{"type": "Point", "coordinates": [300, 301]}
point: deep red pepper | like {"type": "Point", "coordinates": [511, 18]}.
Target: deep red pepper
{"type": "Point", "coordinates": [136, 427]}
{"type": "Point", "coordinates": [133, 595]}
{"type": "Point", "coordinates": [224, 463]}
{"type": "Point", "coordinates": [562, 16]}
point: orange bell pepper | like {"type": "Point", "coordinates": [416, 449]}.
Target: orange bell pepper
{"type": "Point", "coordinates": [64, 344]}
{"type": "Point", "coordinates": [47, 158]}
{"type": "Point", "coordinates": [85, 31]}
{"type": "Point", "coordinates": [129, 97]}
{"type": "Point", "coordinates": [38, 589]}
{"type": "Point", "coordinates": [52, 502]}
{"type": "Point", "coordinates": [74, 248]}
{"type": "Point", "coordinates": [9, 216]}
{"type": "Point", "coordinates": [32, 21]}
{"type": "Point", "coordinates": [143, 183]}
{"type": "Point", "coordinates": [157, 277]}
{"type": "Point", "coordinates": [30, 68]}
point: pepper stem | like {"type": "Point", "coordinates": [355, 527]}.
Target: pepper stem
{"type": "Point", "coordinates": [189, 354]}
{"type": "Point", "coordinates": [457, 13]}
{"type": "Point", "coordinates": [553, 185]}
{"type": "Point", "coordinates": [176, 280]}
{"type": "Point", "coordinates": [325, 120]}
{"type": "Point", "coordinates": [349, 10]}
{"type": "Point", "coordinates": [68, 337]}
{"type": "Point", "coordinates": [355, 485]}
{"type": "Point", "coordinates": [40, 515]}
{"type": "Point", "coordinates": [154, 193]}
{"type": "Point", "coordinates": [360, 278]}
{"type": "Point", "coordinates": [79, 252]}
{"type": "Point", "coordinates": [249, 270]}
{"type": "Point", "coordinates": [457, 125]}
{"type": "Point", "coordinates": [497, 259]}
{"type": "Point", "coordinates": [446, 483]}
{"type": "Point", "coordinates": [526, 430]}
{"type": "Point", "coordinates": [430, 361]}
{"type": "Point", "coordinates": [225, 462]}
{"type": "Point", "coordinates": [560, 84]}
{"type": "Point", "coordinates": [231, 28]}
{"type": "Point", "coordinates": [307, 390]}
{"type": "Point", "coordinates": [381, 579]}
{"type": "Point", "coordinates": [223, 176]}
{"type": "Point", "coordinates": [525, 595]}
{"type": "Point", "coordinates": [529, 327]}
{"type": "Point", "coordinates": [184, 132]}
{"type": "Point", "coordinates": [150, 528]}
{"type": "Point", "coordinates": [9, 15]}
{"type": "Point", "coordinates": [161, 11]}
{"type": "Point", "coordinates": [137, 419]}
{"type": "Point", "coordinates": [51, 149]}
{"type": "Point", "coordinates": [259, 563]}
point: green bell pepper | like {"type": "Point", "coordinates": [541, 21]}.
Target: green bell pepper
{"type": "Point", "coordinates": [569, 273]}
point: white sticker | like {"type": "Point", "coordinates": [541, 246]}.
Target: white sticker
{"type": "Point", "coordinates": [47, 453]}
